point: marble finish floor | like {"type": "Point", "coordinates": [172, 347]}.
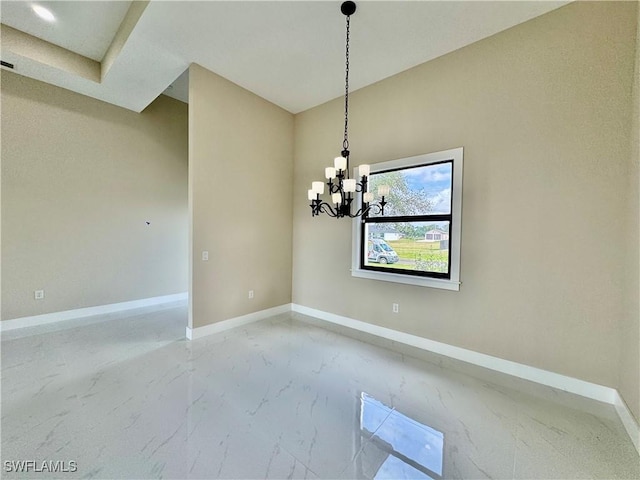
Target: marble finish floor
{"type": "Point", "coordinates": [126, 396]}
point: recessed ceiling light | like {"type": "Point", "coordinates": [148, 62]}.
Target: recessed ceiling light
{"type": "Point", "coordinates": [43, 13]}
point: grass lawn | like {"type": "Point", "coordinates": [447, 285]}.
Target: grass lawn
{"type": "Point", "coordinates": [408, 249]}
{"type": "Point", "coordinates": [399, 266]}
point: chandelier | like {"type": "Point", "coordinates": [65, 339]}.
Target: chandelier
{"type": "Point", "coordinates": [342, 189]}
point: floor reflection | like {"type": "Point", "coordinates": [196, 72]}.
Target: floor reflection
{"type": "Point", "coordinates": [400, 447]}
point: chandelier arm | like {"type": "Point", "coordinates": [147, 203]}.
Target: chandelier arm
{"type": "Point", "coordinates": [357, 214]}
{"type": "Point", "coordinates": [365, 211]}
{"type": "Point", "coordinates": [324, 207]}
{"type": "Point", "coordinates": [361, 213]}
{"type": "Point", "coordinates": [373, 208]}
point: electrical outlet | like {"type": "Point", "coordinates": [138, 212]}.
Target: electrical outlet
{"type": "Point", "coordinates": [395, 307]}
{"type": "Point", "coordinates": [205, 255]}
{"type": "Point", "coordinates": [250, 293]}
{"type": "Point", "coordinates": [38, 294]}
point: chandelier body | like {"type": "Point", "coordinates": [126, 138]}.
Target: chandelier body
{"type": "Point", "coordinates": [342, 189]}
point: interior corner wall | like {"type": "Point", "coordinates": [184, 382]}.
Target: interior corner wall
{"type": "Point", "coordinates": [240, 189]}
{"type": "Point", "coordinates": [80, 179]}
{"type": "Point", "coordinates": [629, 383]}
{"type": "Point", "coordinates": [542, 111]}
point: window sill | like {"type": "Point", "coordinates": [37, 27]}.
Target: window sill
{"type": "Point", "coordinates": [407, 279]}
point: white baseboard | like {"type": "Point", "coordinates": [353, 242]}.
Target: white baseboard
{"type": "Point", "coordinates": [538, 375]}
{"type": "Point", "coordinates": [199, 332]}
{"type": "Point", "coordinates": [88, 311]}
{"type": "Point", "coordinates": [628, 420]}
{"type": "Point", "coordinates": [545, 377]}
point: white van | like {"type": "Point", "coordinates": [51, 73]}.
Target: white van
{"type": "Point", "coordinates": [379, 251]}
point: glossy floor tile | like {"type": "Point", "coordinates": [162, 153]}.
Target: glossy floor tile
{"type": "Point", "coordinates": [126, 396]}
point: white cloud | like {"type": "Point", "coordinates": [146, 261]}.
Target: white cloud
{"type": "Point", "coordinates": [441, 201]}
{"type": "Point", "coordinates": [431, 173]}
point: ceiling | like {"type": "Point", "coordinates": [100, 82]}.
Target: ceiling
{"type": "Point", "coordinates": [290, 53]}
{"type": "Point", "coordinates": [76, 28]}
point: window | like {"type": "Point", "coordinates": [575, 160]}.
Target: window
{"type": "Point", "coordinates": [417, 240]}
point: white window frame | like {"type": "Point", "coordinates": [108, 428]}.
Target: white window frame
{"type": "Point", "coordinates": [453, 283]}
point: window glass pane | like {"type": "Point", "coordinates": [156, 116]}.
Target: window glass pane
{"type": "Point", "coordinates": [416, 190]}
{"type": "Point", "coordinates": [417, 246]}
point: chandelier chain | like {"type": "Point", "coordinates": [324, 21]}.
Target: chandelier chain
{"type": "Point", "coordinates": [345, 142]}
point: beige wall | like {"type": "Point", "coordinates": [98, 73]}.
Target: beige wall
{"type": "Point", "coordinates": [629, 383]}
{"type": "Point", "coordinates": [240, 177]}
{"type": "Point", "coordinates": [79, 180]}
{"type": "Point", "coordinates": [542, 111]}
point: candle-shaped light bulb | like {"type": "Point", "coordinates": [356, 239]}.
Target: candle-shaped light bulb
{"type": "Point", "coordinates": [349, 185]}
{"type": "Point", "coordinates": [337, 198]}
{"type": "Point", "coordinates": [368, 197]}
{"type": "Point", "coordinates": [340, 163]}
{"type": "Point", "coordinates": [318, 187]}
{"type": "Point", "coordinates": [363, 170]}
{"type": "Point", "coordinates": [330, 173]}
{"type": "Point", "coordinates": [383, 190]}
{"type": "Point", "coordinates": [311, 194]}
